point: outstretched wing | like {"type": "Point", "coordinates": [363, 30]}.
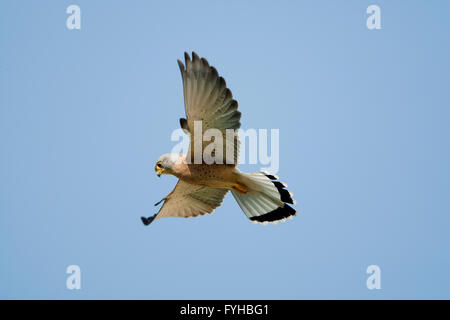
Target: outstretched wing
{"type": "Point", "coordinates": [188, 200]}
{"type": "Point", "coordinates": [207, 99]}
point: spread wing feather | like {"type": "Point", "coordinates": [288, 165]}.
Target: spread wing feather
{"type": "Point", "coordinates": [207, 98]}
{"type": "Point", "coordinates": [187, 200]}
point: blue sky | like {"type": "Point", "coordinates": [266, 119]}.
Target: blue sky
{"type": "Point", "coordinates": [364, 129]}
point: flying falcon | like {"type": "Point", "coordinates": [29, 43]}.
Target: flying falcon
{"type": "Point", "coordinates": [203, 184]}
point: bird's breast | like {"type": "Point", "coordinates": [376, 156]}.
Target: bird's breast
{"type": "Point", "coordinates": [214, 175]}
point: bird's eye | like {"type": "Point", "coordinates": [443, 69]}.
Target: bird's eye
{"type": "Point", "coordinates": [159, 165]}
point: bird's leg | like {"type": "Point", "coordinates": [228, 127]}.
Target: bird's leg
{"type": "Point", "coordinates": [240, 188]}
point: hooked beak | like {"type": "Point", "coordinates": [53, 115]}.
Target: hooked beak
{"type": "Point", "coordinates": [159, 171]}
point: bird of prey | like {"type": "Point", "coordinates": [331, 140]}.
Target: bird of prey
{"type": "Point", "coordinates": [202, 185]}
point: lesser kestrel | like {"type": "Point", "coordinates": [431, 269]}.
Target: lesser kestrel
{"type": "Point", "coordinates": [203, 184]}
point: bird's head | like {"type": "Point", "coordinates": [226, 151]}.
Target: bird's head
{"type": "Point", "coordinates": [165, 163]}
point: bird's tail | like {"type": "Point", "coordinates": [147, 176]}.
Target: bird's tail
{"type": "Point", "coordinates": [262, 198]}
